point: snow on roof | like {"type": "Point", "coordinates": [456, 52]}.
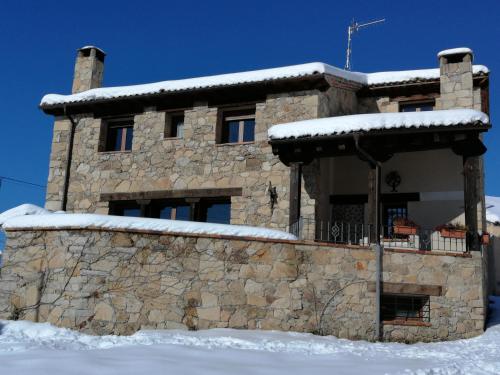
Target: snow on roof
{"type": "Point", "coordinates": [493, 209]}
{"type": "Point", "coordinates": [263, 75]}
{"type": "Point", "coordinates": [94, 47]}
{"type": "Point", "coordinates": [454, 51]}
{"type": "Point", "coordinates": [376, 121]}
{"type": "Point", "coordinates": [380, 78]}
{"type": "Point", "coordinates": [41, 218]}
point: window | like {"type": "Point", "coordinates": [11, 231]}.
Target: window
{"type": "Point", "coordinates": [174, 125]}
{"type": "Point", "coordinates": [118, 134]}
{"type": "Point", "coordinates": [416, 107]}
{"type": "Point", "coordinates": [399, 307]}
{"type": "Point", "coordinates": [238, 126]}
{"type": "Point", "coordinates": [175, 211]}
{"type": "Point", "coordinates": [391, 212]}
{"type": "Point", "coordinates": [125, 208]}
{"type": "Point", "coordinates": [216, 211]}
{"type": "Point", "coordinates": [210, 210]}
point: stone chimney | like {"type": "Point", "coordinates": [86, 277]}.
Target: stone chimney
{"type": "Point", "coordinates": [89, 68]}
{"type": "Point", "coordinates": [456, 87]}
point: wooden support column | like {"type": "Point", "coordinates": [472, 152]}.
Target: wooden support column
{"type": "Point", "coordinates": [472, 197]}
{"type": "Point", "coordinates": [144, 206]}
{"type": "Point", "coordinates": [374, 203]}
{"type": "Point", "coordinates": [192, 208]}
{"type": "Point", "coordinates": [295, 194]}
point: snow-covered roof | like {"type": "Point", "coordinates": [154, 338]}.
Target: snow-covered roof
{"type": "Point", "coordinates": [493, 209]}
{"type": "Point", "coordinates": [376, 121]}
{"type": "Point", "coordinates": [93, 47]}
{"type": "Point", "coordinates": [254, 76]}
{"type": "Point", "coordinates": [23, 217]}
{"type": "Point", "coordinates": [454, 51]}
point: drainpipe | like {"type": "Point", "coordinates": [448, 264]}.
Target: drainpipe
{"type": "Point", "coordinates": [69, 158]}
{"type": "Point", "coordinates": [378, 248]}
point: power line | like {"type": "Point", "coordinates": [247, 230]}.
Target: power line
{"type": "Point", "coordinates": [20, 182]}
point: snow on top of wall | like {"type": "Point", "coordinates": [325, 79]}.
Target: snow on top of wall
{"type": "Point", "coordinates": [246, 77]}
{"type": "Point", "coordinates": [40, 218]}
{"type": "Point", "coordinates": [375, 121]}
{"type": "Point", "coordinates": [493, 209]}
{"type": "Point", "coordinates": [454, 51]}
{"type": "Point", "coordinates": [22, 210]}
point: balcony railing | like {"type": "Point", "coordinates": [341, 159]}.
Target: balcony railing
{"type": "Point", "coordinates": [414, 238]}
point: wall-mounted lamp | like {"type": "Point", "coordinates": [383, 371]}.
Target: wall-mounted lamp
{"type": "Point", "coordinates": [393, 179]}
{"type": "Point", "coordinates": [273, 195]}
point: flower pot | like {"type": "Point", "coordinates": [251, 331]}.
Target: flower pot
{"type": "Point", "coordinates": [452, 233]}
{"type": "Point", "coordinates": [405, 229]}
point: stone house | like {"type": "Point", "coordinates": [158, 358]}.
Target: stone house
{"type": "Point", "coordinates": [343, 160]}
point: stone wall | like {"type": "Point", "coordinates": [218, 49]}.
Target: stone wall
{"type": "Point", "coordinates": [193, 162]}
{"type": "Point", "coordinates": [105, 282]}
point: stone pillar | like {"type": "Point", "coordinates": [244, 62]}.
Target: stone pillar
{"type": "Point", "coordinates": [89, 68]}
{"type": "Point", "coordinates": [456, 87]}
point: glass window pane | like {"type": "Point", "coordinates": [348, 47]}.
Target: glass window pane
{"type": "Point", "coordinates": [426, 107]}
{"type": "Point", "coordinates": [134, 212]}
{"type": "Point", "coordinates": [233, 131]}
{"type": "Point", "coordinates": [180, 129]}
{"type": "Point", "coordinates": [219, 213]}
{"type": "Point", "coordinates": [114, 140]}
{"type": "Point", "coordinates": [128, 140]}
{"type": "Point", "coordinates": [409, 108]}
{"type": "Point", "coordinates": [249, 131]}
{"type": "Point", "coordinates": [182, 212]}
{"type": "Point", "coordinates": [166, 212]}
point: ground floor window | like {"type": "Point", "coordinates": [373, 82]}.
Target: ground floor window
{"type": "Point", "coordinates": [410, 308]}
{"type": "Point", "coordinates": [210, 210]}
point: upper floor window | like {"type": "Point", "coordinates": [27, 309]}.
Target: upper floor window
{"type": "Point", "coordinates": [416, 107]}
{"type": "Point", "coordinates": [237, 126]}
{"type": "Point", "coordinates": [174, 125]}
{"type": "Point", "coordinates": [118, 134]}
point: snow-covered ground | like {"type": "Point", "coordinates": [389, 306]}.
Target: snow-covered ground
{"type": "Point", "coordinates": [39, 348]}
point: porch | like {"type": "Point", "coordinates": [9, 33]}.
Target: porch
{"type": "Point", "coordinates": [413, 183]}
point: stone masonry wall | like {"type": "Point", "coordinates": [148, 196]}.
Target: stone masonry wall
{"type": "Point", "coordinates": [193, 162]}
{"type": "Point", "coordinates": [104, 282]}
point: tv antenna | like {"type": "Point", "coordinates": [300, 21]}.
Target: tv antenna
{"type": "Point", "coordinates": [353, 27]}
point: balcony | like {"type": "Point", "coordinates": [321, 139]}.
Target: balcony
{"type": "Point", "coordinates": [396, 237]}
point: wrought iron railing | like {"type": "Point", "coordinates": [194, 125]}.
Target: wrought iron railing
{"type": "Point", "coordinates": [415, 238]}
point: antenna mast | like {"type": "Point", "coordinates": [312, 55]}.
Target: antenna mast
{"type": "Point", "coordinates": [353, 27]}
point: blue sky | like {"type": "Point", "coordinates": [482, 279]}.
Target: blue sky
{"type": "Point", "coordinates": [158, 40]}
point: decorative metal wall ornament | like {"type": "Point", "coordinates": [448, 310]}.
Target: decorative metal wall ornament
{"type": "Point", "coordinates": [273, 195]}
{"type": "Point", "coordinates": [393, 179]}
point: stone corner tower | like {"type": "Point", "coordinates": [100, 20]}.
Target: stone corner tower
{"type": "Point", "coordinates": [89, 68]}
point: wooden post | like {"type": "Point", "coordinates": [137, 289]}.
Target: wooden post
{"type": "Point", "coordinates": [143, 203]}
{"type": "Point", "coordinates": [192, 208]}
{"type": "Point", "coordinates": [295, 193]}
{"type": "Point", "coordinates": [471, 199]}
